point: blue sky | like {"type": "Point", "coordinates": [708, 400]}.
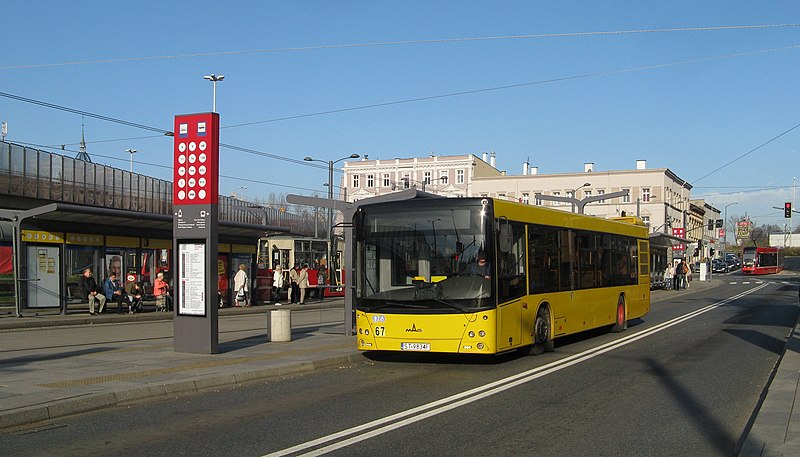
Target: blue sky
{"type": "Point", "coordinates": [691, 101]}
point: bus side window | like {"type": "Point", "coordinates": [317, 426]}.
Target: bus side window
{"type": "Point", "coordinates": [542, 259]}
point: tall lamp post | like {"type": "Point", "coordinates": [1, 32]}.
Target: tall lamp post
{"type": "Point", "coordinates": [725, 229]}
{"type": "Point", "coordinates": [131, 152]}
{"type": "Point", "coordinates": [586, 184]}
{"type": "Point", "coordinates": [330, 197]}
{"type": "Point", "coordinates": [214, 78]}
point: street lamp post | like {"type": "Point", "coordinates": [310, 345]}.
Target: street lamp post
{"type": "Point", "coordinates": [131, 152]}
{"type": "Point", "coordinates": [330, 197]}
{"type": "Point", "coordinates": [214, 78]}
{"type": "Point", "coordinates": [725, 229]}
{"type": "Point", "coordinates": [586, 184]}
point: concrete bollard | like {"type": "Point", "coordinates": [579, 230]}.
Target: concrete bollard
{"type": "Point", "coordinates": [280, 325]}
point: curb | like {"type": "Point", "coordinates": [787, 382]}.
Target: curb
{"type": "Point", "coordinates": [92, 402]}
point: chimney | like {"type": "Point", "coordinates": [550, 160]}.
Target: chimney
{"type": "Point", "coordinates": [525, 166]}
{"type": "Point", "coordinates": [534, 170]}
{"type": "Point", "coordinates": [588, 167]}
{"type": "Point", "coordinates": [485, 157]}
{"type": "Point", "coordinates": [493, 161]}
{"type": "Point", "coordinates": [641, 164]}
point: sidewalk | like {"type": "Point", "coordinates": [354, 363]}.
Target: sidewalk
{"type": "Point", "coordinates": [54, 366]}
{"type": "Point", "coordinates": [776, 429]}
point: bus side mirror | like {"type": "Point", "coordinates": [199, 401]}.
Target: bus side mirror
{"type": "Point", "coordinates": [504, 239]}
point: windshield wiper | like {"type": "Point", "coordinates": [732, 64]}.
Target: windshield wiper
{"type": "Point", "coordinates": [449, 304]}
{"type": "Point", "coordinates": [398, 305]}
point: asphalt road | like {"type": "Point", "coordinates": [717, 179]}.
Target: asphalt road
{"type": "Point", "coordinates": [682, 381]}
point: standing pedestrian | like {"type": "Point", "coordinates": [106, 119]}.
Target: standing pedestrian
{"type": "Point", "coordinates": [302, 283]}
{"type": "Point", "coordinates": [294, 277]}
{"type": "Point", "coordinates": [322, 280]}
{"type": "Point", "coordinates": [241, 286]}
{"type": "Point", "coordinates": [277, 283]}
{"type": "Point", "coordinates": [669, 273]}
{"type": "Point", "coordinates": [680, 273]}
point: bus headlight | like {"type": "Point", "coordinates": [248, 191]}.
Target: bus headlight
{"type": "Point", "coordinates": [471, 334]}
{"type": "Point", "coordinates": [482, 333]}
{"type": "Point", "coordinates": [480, 346]}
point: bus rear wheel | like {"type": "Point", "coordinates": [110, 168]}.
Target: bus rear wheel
{"type": "Point", "coordinates": [621, 322]}
{"type": "Point", "coordinates": [542, 333]}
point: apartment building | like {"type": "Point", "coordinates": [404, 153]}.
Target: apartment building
{"type": "Point", "coordinates": [450, 176]}
{"type": "Point", "coordinates": [657, 195]}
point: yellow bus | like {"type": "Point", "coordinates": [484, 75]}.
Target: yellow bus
{"type": "Point", "coordinates": [418, 285]}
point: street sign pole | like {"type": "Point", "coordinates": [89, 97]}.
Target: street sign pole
{"type": "Point", "coordinates": [195, 199]}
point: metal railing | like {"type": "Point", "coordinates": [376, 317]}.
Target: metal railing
{"type": "Point", "coordinates": [36, 174]}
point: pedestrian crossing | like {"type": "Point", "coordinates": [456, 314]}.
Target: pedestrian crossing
{"type": "Point", "coordinates": [761, 282]}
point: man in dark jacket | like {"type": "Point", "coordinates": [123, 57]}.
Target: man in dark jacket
{"type": "Point", "coordinates": [91, 290]}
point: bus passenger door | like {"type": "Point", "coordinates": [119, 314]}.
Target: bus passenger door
{"type": "Point", "coordinates": [510, 325]}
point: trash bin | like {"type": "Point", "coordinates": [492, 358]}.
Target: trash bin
{"type": "Point", "coordinates": [280, 325]}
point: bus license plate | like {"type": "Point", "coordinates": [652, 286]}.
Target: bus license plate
{"type": "Point", "coordinates": [415, 346]}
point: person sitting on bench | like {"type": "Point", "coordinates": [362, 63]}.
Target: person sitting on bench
{"type": "Point", "coordinates": [135, 293]}
{"type": "Point", "coordinates": [115, 292]}
{"type": "Point", "coordinates": [91, 290]}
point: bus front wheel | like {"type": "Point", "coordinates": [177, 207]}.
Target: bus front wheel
{"type": "Point", "coordinates": [542, 333]}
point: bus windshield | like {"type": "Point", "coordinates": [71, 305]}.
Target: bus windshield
{"type": "Point", "coordinates": [423, 260]}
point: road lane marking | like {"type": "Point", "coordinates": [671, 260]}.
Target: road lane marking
{"type": "Point", "coordinates": [416, 414]}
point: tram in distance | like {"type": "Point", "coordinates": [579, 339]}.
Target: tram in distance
{"type": "Point", "coordinates": [288, 251]}
{"type": "Point", "coordinates": [486, 276]}
{"type": "Point", "coordinates": [762, 261]}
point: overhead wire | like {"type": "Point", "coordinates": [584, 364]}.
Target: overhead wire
{"type": "Point", "coordinates": [432, 97]}
{"type": "Point", "coordinates": [401, 43]}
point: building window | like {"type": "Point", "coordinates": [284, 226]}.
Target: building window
{"type": "Point", "coordinates": [646, 220]}
{"type": "Point", "coordinates": [370, 181]}
{"type": "Point", "coordinates": [426, 177]}
{"type": "Point", "coordinates": [355, 180]}
{"type": "Point", "coordinates": [556, 194]}
{"type": "Point", "coordinates": [406, 181]}
{"type": "Point", "coordinates": [443, 177]}
{"type": "Point", "coordinates": [459, 176]}
{"type": "Point", "coordinates": [537, 201]}
{"type": "Point", "coordinates": [587, 193]}
{"type": "Point", "coordinates": [601, 192]}
{"type": "Point", "coordinates": [626, 198]}
{"type": "Point", "coordinates": [526, 198]}
{"type": "Point", "coordinates": [386, 181]}
{"type": "Point", "coordinates": [645, 194]}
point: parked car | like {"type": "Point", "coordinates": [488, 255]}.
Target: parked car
{"type": "Point", "coordinates": [732, 264]}
{"type": "Point", "coordinates": [734, 258]}
{"type": "Point", "coordinates": [719, 266]}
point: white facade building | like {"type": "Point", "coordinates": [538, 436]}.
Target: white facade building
{"type": "Point", "coordinates": [450, 176]}
{"type": "Point", "coordinates": [658, 196]}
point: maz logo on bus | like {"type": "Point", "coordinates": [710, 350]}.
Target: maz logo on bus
{"type": "Point", "coordinates": [414, 329]}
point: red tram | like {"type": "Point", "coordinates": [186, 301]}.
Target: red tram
{"type": "Point", "coordinates": [762, 261]}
